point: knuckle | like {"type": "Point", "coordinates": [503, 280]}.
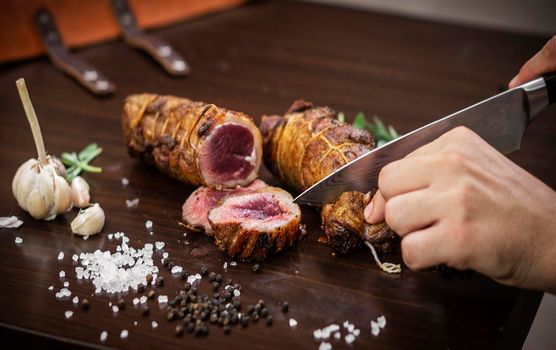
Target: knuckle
{"type": "Point", "coordinates": [390, 215]}
{"type": "Point", "coordinates": [408, 254]}
{"type": "Point", "coordinates": [383, 179]}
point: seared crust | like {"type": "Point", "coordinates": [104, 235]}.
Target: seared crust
{"type": "Point", "coordinates": [309, 143]}
{"type": "Point", "coordinates": [256, 244]}
{"type": "Point", "coordinates": [168, 132]}
{"type": "Point", "coordinates": [344, 224]}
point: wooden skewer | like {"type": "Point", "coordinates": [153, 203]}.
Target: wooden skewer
{"type": "Point", "coordinates": [32, 118]}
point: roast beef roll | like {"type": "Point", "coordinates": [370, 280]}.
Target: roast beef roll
{"type": "Point", "coordinates": [195, 142]}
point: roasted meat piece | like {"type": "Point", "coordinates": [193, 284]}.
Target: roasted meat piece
{"type": "Point", "coordinates": [251, 225]}
{"type": "Point", "coordinates": [195, 142]}
{"type": "Point", "coordinates": [345, 227]}
{"type": "Point", "coordinates": [308, 143]}
{"type": "Point", "coordinates": [197, 206]}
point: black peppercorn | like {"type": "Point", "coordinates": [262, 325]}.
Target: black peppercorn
{"type": "Point", "coordinates": [227, 329]}
{"type": "Point", "coordinates": [145, 311]}
{"type": "Point", "coordinates": [215, 286]}
{"type": "Point", "coordinates": [85, 304]}
{"type": "Point", "coordinates": [140, 288]}
{"type": "Point", "coordinates": [151, 294]}
{"type": "Point", "coordinates": [179, 330]}
{"type": "Point", "coordinates": [256, 268]}
{"type": "Point", "coordinates": [204, 270]}
{"type": "Point", "coordinates": [187, 286]}
{"type": "Point", "coordinates": [160, 281]}
{"type": "Point", "coordinates": [218, 278]}
{"type": "Point", "coordinates": [285, 306]}
{"type": "Point", "coordinates": [212, 276]}
{"type": "Point", "coordinates": [190, 326]}
{"type": "Point", "coordinates": [149, 278]}
{"type": "Point", "coordinates": [183, 275]}
{"type": "Point", "coordinates": [255, 318]}
{"type": "Point", "coordinates": [264, 312]}
{"type": "Point", "coordinates": [269, 321]}
{"type": "Point", "coordinates": [171, 315]}
{"type": "Point", "coordinates": [121, 304]}
{"type": "Point", "coordinates": [244, 321]}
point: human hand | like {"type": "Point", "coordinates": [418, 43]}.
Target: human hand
{"type": "Point", "coordinates": [460, 202]}
{"type": "Point", "coordinates": [543, 62]}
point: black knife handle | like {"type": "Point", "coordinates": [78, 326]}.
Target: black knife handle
{"type": "Point", "coordinates": [550, 81]}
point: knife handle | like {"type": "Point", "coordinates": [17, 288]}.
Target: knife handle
{"type": "Point", "coordinates": [550, 81]}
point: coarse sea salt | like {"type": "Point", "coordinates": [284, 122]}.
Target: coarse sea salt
{"type": "Point", "coordinates": [75, 300]}
{"type": "Point", "coordinates": [193, 278]}
{"type": "Point", "coordinates": [293, 323]}
{"type": "Point", "coordinates": [18, 240]}
{"type": "Point", "coordinates": [159, 245]}
{"type": "Point", "coordinates": [165, 255]}
{"type": "Point", "coordinates": [103, 336]}
{"type": "Point", "coordinates": [149, 224]}
{"type": "Point", "coordinates": [68, 314]}
{"type": "Point", "coordinates": [110, 236]}
{"type": "Point", "coordinates": [162, 299]}
{"type": "Point", "coordinates": [115, 309]}
{"type": "Point", "coordinates": [117, 272]}
{"type": "Point", "coordinates": [381, 321]}
{"type": "Point", "coordinates": [176, 269]}
{"type": "Point", "coordinates": [75, 257]}
{"type": "Point", "coordinates": [143, 299]}
{"type": "Point", "coordinates": [350, 338]}
{"type": "Point", "coordinates": [66, 284]}
{"type": "Point", "coordinates": [51, 288]}
{"type": "Point", "coordinates": [124, 334]}
{"type": "Point", "coordinates": [132, 203]}
{"type": "Point", "coordinates": [233, 263]}
{"type": "Point", "coordinates": [154, 324]}
{"type": "Point", "coordinates": [325, 346]}
{"type": "Point", "coordinates": [86, 237]}
{"type": "Point", "coordinates": [63, 293]}
{"type": "Point", "coordinates": [125, 181]}
{"type": "Point", "coordinates": [237, 293]}
{"type": "Point", "coordinates": [61, 256]}
{"type": "Point", "coordinates": [135, 301]}
{"type": "Point", "coordinates": [62, 274]}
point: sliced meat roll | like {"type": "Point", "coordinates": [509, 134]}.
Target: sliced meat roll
{"type": "Point", "coordinates": [195, 142]}
{"type": "Point", "coordinates": [252, 225]}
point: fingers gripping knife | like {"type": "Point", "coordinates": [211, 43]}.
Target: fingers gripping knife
{"type": "Point", "coordinates": [500, 120]}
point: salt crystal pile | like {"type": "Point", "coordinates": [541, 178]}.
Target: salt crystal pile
{"type": "Point", "coordinates": [324, 333]}
{"type": "Point", "coordinates": [120, 271]}
{"type": "Point", "coordinates": [63, 293]}
{"type": "Point", "coordinates": [378, 325]}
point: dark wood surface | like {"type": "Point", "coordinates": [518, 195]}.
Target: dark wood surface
{"type": "Point", "coordinates": [258, 59]}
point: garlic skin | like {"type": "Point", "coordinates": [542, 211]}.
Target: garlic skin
{"type": "Point", "coordinates": [40, 190]}
{"type": "Point", "coordinates": [80, 192]}
{"type": "Point", "coordinates": [89, 221]}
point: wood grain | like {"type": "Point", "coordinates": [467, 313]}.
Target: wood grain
{"type": "Point", "coordinates": [258, 59]}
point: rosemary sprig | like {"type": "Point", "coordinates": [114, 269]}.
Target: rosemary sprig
{"type": "Point", "coordinates": [77, 162]}
{"type": "Point", "coordinates": [381, 133]}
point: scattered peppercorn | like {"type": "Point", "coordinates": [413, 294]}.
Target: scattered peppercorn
{"type": "Point", "coordinates": [215, 286]}
{"type": "Point", "coordinates": [140, 288]}
{"type": "Point", "coordinates": [183, 275]}
{"type": "Point", "coordinates": [121, 304]}
{"type": "Point", "coordinates": [256, 268]}
{"type": "Point", "coordinates": [149, 278]}
{"type": "Point", "coordinates": [179, 330]}
{"type": "Point", "coordinates": [212, 276]}
{"type": "Point", "coordinates": [269, 320]}
{"type": "Point", "coordinates": [204, 270]}
{"type": "Point", "coordinates": [85, 304]}
{"type": "Point", "coordinates": [160, 281]}
{"type": "Point", "coordinates": [171, 315]}
{"type": "Point", "coordinates": [218, 278]}
{"type": "Point", "coordinates": [227, 329]}
{"type": "Point", "coordinates": [145, 311]}
{"type": "Point", "coordinates": [264, 312]}
{"type": "Point", "coordinates": [151, 294]}
{"type": "Point", "coordinates": [285, 306]}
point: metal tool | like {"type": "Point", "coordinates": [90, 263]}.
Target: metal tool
{"type": "Point", "coordinates": [158, 48]}
{"type": "Point", "coordinates": [86, 74]}
{"type": "Point", "coordinates": [500, 120]}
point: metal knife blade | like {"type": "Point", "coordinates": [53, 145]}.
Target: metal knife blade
{"type": "Point", "coordinates": [500, 120]}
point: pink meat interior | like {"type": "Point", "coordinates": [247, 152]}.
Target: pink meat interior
{"type": "Point", "coordinates": [223, 155]}
{"type": "Point", "coordinates": [257, 207]}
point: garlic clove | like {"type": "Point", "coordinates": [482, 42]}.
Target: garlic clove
{"type": "Point", "coordinates": [23, 168]}
{"type": "Point", "coordinates": [80, 192]}
{"type": "Point", "coordinates": [89, 221]}
{"type": "Point", "coordinates": [36, 205]}
{"type": "Point", "coordinates": [62, 196]}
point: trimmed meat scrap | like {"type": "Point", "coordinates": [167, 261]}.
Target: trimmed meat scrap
{"type": "Point", "coordinates": [253, 225]}
{"type": "Point", "coordinates": [197, 206]}
{"type": "Point", "coordinates": [345, 227]}
{"type": "Point", "coordinates": [195, 142]}
{"type": "Point", "coordinates": [308, 143]}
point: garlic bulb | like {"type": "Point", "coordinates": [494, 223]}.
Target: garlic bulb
{"type": "Point", "coordinates": [38, 184]}
{"type": "Point", "coordinates": [40, 191]}
{"type": "Point", "coordinates": [80, 192]}
{"type": "Point", "coordinates": [89, 221]}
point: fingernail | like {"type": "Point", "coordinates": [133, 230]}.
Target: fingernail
{"type": "Point", "coordinates": [368, 211]}
{"type": "Point", "coordinates": [513, 81]}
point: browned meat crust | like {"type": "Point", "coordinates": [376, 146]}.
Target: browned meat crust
{"type": "Point", "coordinates": [253, 225]}
{"type": "Point", "coordinates": [344, 224]}
{"type": "Point", "coordinates": [175, 135]}
{"type": "Point", "coordinates": [309, 143]}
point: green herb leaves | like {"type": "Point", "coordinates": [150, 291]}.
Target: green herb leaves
{"type": "Point", "coordinates": [76, 163]}
{"type": "Point", "coordinates": [381, 132]}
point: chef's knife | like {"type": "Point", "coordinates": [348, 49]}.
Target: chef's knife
{"type": "Point", "coordinates": [500, 120]}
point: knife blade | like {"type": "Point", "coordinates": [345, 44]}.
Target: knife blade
{"type": "Point", "coordinates": [500, 120]}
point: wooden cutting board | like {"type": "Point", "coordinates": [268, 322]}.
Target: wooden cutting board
{"type": "Point", "coordinates": [258, 59]}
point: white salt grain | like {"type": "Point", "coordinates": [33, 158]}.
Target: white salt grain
{"type": "Point", "coordinates": [154, 324]}
{"type": "Point", "coordinates": [350, 338]}
{"type": "Point", "coordinates": [143, 299]}
{"type": "Point", "coordinates": [193, 278]}
{"type": "Point", "coordinates": [356, 332]}
{"type": "Point", "coordinates": [18, 240]}
{"type": "Point", "coordinates": [381, 321]}
{"type": "Point", "coordinates": [75, 257]}
{"type": "Point", "coordinates": [10, 222]}
{"type": "Point", "coordinates": [162, 299]}
{"type": "Point", "coordinates": [337, 335]}
{"type": "Point", "coordinates": [66, 284]}
{"type": "Point", "coordinates": [233, 263]}
{"type": "Point", "coordinates": [61, 256]}
{"type": "Point", "coordinates": [237, 293]}
{"type": "Point", "coordinates": [68, 314]}
{"type": "Point", "coordinates": [124, 334]}
{"type": "Point", "coordinates": [293, 323]}
{"type": "Point", "coordinates": [165, 255]}
{"type": "Point", "coordinates": [115, 309]}
{"type": "Point", "coordinates": [135, 323]}
{"type": "Point", "coordinates": [86, 237]}
{"type": "Point", "coordinates": [149, 224]}
{"type": "Point", "coordinates": [176, 269]}
{"type": "Point", "coordinates": [159, 245]}
{"type": "Point", "coordinates": [51, 288]}
{"type": "Point", "coordinates": [103, 336]}
{"type": "Point", "coordinates": [325, 346]}
{"type": "Point", "coordinates": [125, 181]}
{"type": "Point", "coordinates": [135, 301]}
{"type": "Point", "coordinates": [131, 203]}
{"type": "Point", "coordinates": [62, 274]}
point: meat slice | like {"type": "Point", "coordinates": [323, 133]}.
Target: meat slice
{"type": "Point", "coordinates": [202, 200]}
{"type": "Point", "coordinates": [308, 143]}
{"type": "Point", "coordinates": [195, 142]}
{"type": "Point", "coordinates": [344, 224]}
{"type": "Point", "coordinates": [252, 225]}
